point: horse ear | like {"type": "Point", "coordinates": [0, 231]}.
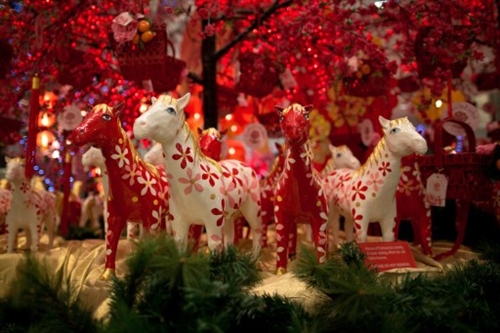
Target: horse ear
{"type": "Point", "coordinates": [183, 101]}
{"type": "Point", "coordinates": [279, 109]}
{"type": "Point", "coordinates": [199, 130]}
{"type": "Point", "coordinates": [223, 132]}
{"type": "Point", "coordinates": [118, 109]}
{"type": "Point", "coordinates": [308, 108]}
{"type": "Point", "coordinates": [153, 100]}
{"type": "Point", "coordinates": [384, 122]}
{"type": "Point", "coordinates": [278, 146]}
{"type": "Point", "coordinates": [7, 159]}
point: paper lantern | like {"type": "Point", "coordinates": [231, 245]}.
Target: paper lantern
{"type": "Point", "coordinates": [46, 119]}
{"type": "Point", "coordinates": [44, 139]}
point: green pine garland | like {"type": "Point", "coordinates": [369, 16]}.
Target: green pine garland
{"type": "Point", "coordinates": [168, 290]}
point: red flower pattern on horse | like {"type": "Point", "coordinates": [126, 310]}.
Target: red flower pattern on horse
{"type": "Point", "coordinates": [298, 197]}
{"type": "Point", "coordinates": [361, 200]}
{"type": "Point", "coordinates": [220, 182]}
{"type": "Point", "coordinates": [138, 192]}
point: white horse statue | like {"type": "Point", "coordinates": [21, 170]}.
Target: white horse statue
{"type": "Point", "coordinates": [341, 157]}
{"type": "Point", "coordinates": [368, 194]}
{"type": "Point", "coordinates": [155, 155]}
{"type": "Point", "coordinates": [203, 191]}
{"type": "Point", "coordinates": [93, 206]}
{"type": "Point", "coordinates": [30, 209]}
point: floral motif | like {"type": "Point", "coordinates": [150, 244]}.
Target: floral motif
{"type": "Point", "coordinates": [132, 173]}
{"type": "Point", "coordinates": [375, 181]}
{"type": "Point", "coordinates": [184, 155]}
{"type": "Point", "coordinates": [221, 213]}
{"type": "Point", "coordinates": [209, 175]}
{"type": "Point", "coordinates": [385, 168]}
{"type": "Point", "coordinates": [121, 156]}
{"type": "Point", "coordinates": [148, 183]}
{"type": "Point", "coordinates": [192, 181]}
{"type": "Point", "coordinates": [358, 190]}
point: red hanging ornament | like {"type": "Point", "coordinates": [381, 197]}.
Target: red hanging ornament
{"type": "Point", "coordinates": [32, 127]}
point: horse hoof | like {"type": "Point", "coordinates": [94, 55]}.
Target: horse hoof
{"type": "Point", "coordinates": [292, 256]}
{"type": "Point", "coordinates": [107, 275]}
{"type": "Point", "coordinates": [280, 271]}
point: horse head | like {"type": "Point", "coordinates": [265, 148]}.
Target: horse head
{"type": "Point", "coordinates": [210, 141]}
{"type": "Point", "coordinates": [100, 126]}
{"type": "Point", "coordinates": [163, 120]}
{"type": "Point", "coordinates": [14, 171]}
{"type": "Point", "coordinates": [401, 137]}
{"type": "Point", "coordinates": [93, 157]}
{"type": "Point", "coordinates": [343, 157]}
{"type": "Point", "coordinates": [294, 122]}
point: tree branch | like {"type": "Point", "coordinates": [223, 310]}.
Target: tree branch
{"type": "Point", "coordinates": [265, 15]}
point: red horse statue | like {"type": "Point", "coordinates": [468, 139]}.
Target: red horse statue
{"type": "Point", "coordinates": [138, 192]}
{"type": "Point", "coordinates": [298, 197]}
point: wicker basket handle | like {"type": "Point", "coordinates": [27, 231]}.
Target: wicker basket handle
{"type": "Point", "coordinates": [438, 137]}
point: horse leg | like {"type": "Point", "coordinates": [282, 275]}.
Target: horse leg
{"type": "Point", "coordinates": [334, 221]}
{"type": "Point", "coordinates": [282, 234]}
{"type": "Point", "coordinates": [35, 230]}
{"type": "Point", "coordinates": [116, 224]}
{"type": "Point", "coordinates": [388, 225]}
{"type": "Point", "coordinates": [229, 231]}
{"type": "Point", "coordinates": [320, 234]}
{"type": "Point", "coordinates": [292, 241]}
{"type": "Point", "coordinates": [215, 236]}
{"type": "Point", "coordinates": [11, 233]}
{"type": "Point", "coordinates": [251, 211]}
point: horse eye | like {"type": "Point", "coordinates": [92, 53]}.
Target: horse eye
{"type": "Point", "coordinates": [280, 119]}
{"type": "Point", "coordinates": [170, 110]}
{"type": "Point", "coordinates": [394, 130]}
{"type": "Point", "coordinates": [339, 154]}
{"type": "Point", "coordinates": [306, 116]}
{"type": "Point", "coordinates": [106, 117]}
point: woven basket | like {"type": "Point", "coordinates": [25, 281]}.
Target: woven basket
{"type": "Point", "coordinates": [151, 63]}
{"type": "Point", "coordinates": [466, 172]}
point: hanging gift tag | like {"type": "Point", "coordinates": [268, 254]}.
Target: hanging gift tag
{"type": "Point", "coordinates": [435, 192]}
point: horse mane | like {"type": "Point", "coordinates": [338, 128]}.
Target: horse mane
{"type": "Point", "coordinates": [374, 158]}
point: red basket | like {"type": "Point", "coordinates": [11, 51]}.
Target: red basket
{"type": "Point", "coordinates": [153, 62]}
{"type": "Point", "coordinates": [466, 172]}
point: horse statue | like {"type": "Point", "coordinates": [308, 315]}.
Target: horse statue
{"type": "Point", "coordinates": [30, 209]}
{"type": "Point", "coordinates": [203, 191]}
{"type": "Point", "coordinates": [411, 204]}
{"type": "Point", "coordinates": [93, 207]}
{"type": "Point", "coordinates": [341, 157]}
{"type": "Point", "coordinates": [267, 186]}
{"type": "Point", "coordinates": [138, 192]}
{"type": "Point", "coordinates": [298, 196]}
{"type": "Point", "coordinates": [155, 155]}
{"type": "Point", "coordinates": [368, 194]}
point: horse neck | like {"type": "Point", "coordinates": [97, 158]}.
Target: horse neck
{"type": "Point", "coordinates": [18, 185]}
{"type": "Point", "coordinates": [112, 165]}
{"type": "Point", "coordinates": [302, 156]}
{"type": "Point", "coordinates": [382, 159]}
{"type": "Point", "coordinates": [186, 141]}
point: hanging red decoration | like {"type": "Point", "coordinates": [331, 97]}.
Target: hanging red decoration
{"type": "Point", "coordinates": [259, 74]}
{"type": "Point", "coordinates": [75, 69]}
{"type": "Point", "coordinates": [32, 127]}
{"type": "Point", "coordinates": [370, 79]}
{"type": "Point", "coordinates": [443, 49]}
{"type": "Point", "coordinates": [151, 61]}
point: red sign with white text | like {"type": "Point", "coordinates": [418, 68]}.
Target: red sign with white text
{"type": "Point", "coordinates": [388, 255]}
